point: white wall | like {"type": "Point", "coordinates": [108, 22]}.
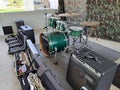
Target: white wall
{"type": "Point", "coordinates": [53, 4]}
{"type": "Point", "coordinates": [35, 19]}
{"type": "Point", "coordinates": [1, 31]}
{"type": "Point", "coordinates": [29, 5]}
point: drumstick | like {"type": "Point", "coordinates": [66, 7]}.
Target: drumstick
{"type": "Point", "coordinates": [117, 2]}
{"type": "Point", "coordinates": [96, 1]}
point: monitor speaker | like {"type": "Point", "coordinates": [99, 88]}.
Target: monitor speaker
{"type": "Point", "coordinates": [89, 71]}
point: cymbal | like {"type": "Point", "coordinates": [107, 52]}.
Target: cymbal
{"type": "Point", "coordinates": [68, 14]}
{"type": "Point", "coordinates": [91, 23]}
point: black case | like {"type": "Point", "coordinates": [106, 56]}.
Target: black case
{"type": "Point", "coordinates": [47, 78]}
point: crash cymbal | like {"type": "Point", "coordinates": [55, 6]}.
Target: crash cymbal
{"type": "Point", "coordinates": [68, 14]}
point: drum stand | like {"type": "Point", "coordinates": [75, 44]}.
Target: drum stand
{"type": "Point", "coordinates": [71, 48]}
{"type": "Point", "coordinates": [55, 61]}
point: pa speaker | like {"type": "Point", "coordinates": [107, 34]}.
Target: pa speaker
{"type": "Point", "coordinates": [89, 71]}
{"type": "Point", "coordinates": [7, 30]}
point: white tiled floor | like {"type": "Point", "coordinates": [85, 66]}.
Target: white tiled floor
{"type": "Point", "coordinates": [8, 79]}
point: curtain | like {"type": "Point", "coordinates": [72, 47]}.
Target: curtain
{"type": "Point", "coordinates": [61, 6]}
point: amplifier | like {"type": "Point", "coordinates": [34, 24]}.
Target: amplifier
{"type": "Point", "coordinates": [29, 32]}
{"type": "Point", "coordinates": [116, 80]}
{"type": "Point", "coordinates": [89, 71]}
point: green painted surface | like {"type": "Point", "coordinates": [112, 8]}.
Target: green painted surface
{"type": "Point", "coordinates": [57, 40]}
{"type": "Point", "coordinates": [75, 33]}
{"type": "Point", "coordinates": [52, 22]}
{"type": "Point", "coordinates": [107, 12]}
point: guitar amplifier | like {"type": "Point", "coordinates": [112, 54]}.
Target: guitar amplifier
{"type": "Point", "coordinates": [29, 32]}
{"type": "Point", "coordinates": [89, 71]}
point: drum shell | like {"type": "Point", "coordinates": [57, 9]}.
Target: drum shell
{"type": "Point", "coordinates": [61, 25]}
{"type": "Point", "coordinates": [75, 31]}
{"type": "Point", "coordinates": [54, 40]}
{"type": "Point", "coordinates": [52, 22]}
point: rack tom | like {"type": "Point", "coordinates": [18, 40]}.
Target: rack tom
{"type": "Point", "coordinates": [52, 22]}
{"type": "Point", "coordinates": [61, 25]}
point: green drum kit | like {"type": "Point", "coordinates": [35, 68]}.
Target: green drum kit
{"type": "Point", "coordinates": [58, 40]}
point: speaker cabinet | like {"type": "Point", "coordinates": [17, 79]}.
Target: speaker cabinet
{"type": "Point", "coordinates": [29, 32]}
{"type": "Point", "coordinates": [89, 71]}
{"type": "Point", "coordinates": [116, 80]}
{"type": "Point", "coordinates": [7, 30]}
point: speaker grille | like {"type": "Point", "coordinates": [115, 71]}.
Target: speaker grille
{"type": "Point", "coordinates": [7, 30]}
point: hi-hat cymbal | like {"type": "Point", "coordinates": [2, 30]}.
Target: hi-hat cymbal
{"type": "Point", "coordinates": [68, 14]}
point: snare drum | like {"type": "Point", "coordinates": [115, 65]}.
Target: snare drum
{"type": "Point", "coordinates": [52, 22]}
{"type": "Point", "coordinates": [61, 25]}
{"type": "Point", "coordinates": [51, 41]}
{"type": "Point", "coordinates": [75, 31]}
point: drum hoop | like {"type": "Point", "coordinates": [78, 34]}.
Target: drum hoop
{"type": "Point", "coordinates": [49, 43]}
{"type": "Point", "coordinates": [54, 18]}
{"type": "Point", "coordinates": [41, 46]}
{"type": "Point", "coordinates": [74, 27]}
{"type": "Point", "coordinates": [65, 38]}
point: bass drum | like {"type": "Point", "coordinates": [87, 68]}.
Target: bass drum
{"type": "Point", "coordinates": [52, 40]}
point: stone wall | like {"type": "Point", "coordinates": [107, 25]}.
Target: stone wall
{"type": "Point", "coordinates": [76, 6]}
{"type": "Point", "coordinates": [108, 13]}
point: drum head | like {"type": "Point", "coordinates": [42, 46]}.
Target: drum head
{"type": "Point", "coordinates": [44, 44]}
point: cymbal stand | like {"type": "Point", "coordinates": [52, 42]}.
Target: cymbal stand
{"type": "Point", "coordinates": [45, 17]}
{"type": "Point", "coordinates": [55, 61]}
